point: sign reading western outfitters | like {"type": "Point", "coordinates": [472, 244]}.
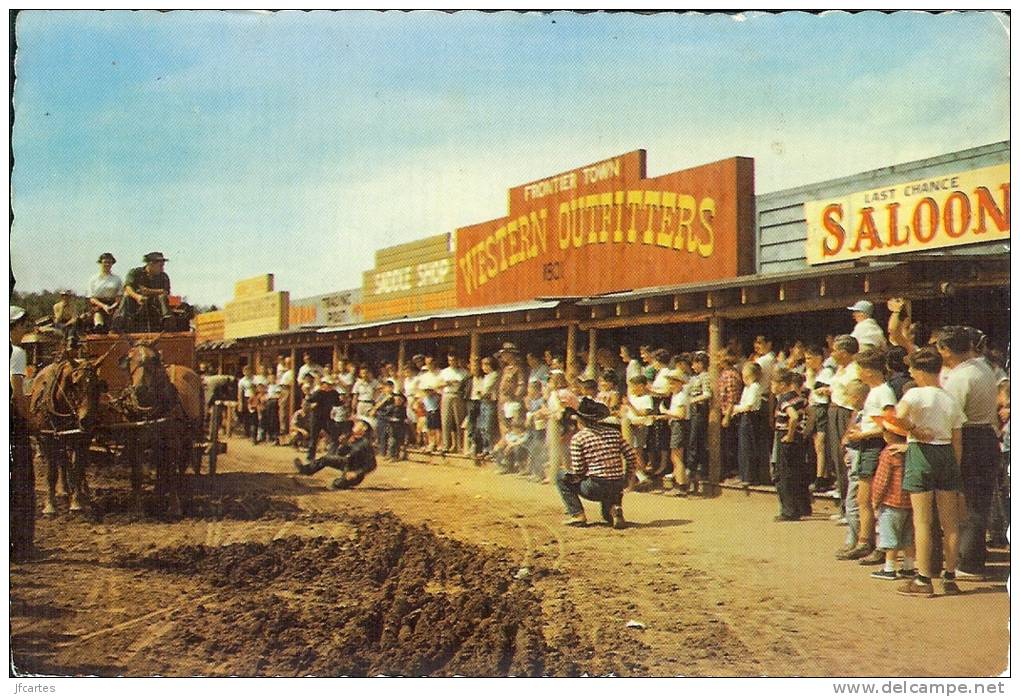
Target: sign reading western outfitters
{"type": "Point", "coordinates": [942, 211]}
{"type": "Point", "coordinates": [605, 227]}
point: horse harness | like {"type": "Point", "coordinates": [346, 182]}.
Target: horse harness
{"type": "Point", "coordinates": [56, 389]}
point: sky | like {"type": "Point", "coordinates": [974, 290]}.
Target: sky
{"type": "Point", "coordinates": [241, 143]}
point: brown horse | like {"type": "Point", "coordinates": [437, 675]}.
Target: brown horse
{"type": "Point", "coordinates": [62, 414]}
{"type": "Point", "coordinates": [153, 401]}
{"type": "Point", "coordinates": [189, 393]}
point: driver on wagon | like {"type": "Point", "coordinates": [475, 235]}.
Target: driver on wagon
{"type": "Point", "coordinates": [146, 300]}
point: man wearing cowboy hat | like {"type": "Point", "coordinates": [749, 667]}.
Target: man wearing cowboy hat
{"type": "Point", "coordinates": [65, 313]}
{"type": "Point", "coordinates": [600, 462]}
{"type": "Point", "coordinates": [147, 294]}
{"type": "Point", "coordinates": [355, 457]}
{"type": "Point", "coordinates": [104, 292]}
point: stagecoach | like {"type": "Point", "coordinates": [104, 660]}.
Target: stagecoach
{"type": "Point", "coordinates": [175, 348]}
{"type": "Point", "coordinates": [108, 354]}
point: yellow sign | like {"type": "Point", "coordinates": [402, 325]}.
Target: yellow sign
{"type": "Point", "coordinates": [209, 326]}
{"type": "Point", "coordinates": [256, 285]}
{"type": "Point", "coordinates": [410, 278]}
{"type": "Point", "coordinates": [257, 314]}
{"type": "Point", "coordinates": [942, 211]}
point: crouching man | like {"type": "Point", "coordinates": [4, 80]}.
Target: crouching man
{"type": "Point", "coordinates": [600, 462]}
{"type": "Point", "coordinates": [354, 456]}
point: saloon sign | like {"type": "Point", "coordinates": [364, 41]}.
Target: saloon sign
{"type": "Point", "coordinates": [605, 227]}
{"type": "Point", "coordinates": [942, 211]}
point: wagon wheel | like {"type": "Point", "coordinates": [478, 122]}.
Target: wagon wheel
{"type": "Point", "coordinates": [215, 419]}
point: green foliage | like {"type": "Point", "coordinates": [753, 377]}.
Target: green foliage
{"type": "Point", "coordinates": [40, 304]}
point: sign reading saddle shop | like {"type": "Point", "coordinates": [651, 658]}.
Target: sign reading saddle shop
{"type": "Point", "coordinates": [605, 227]}
{"type": "Point", "coordinates": [943, 211]}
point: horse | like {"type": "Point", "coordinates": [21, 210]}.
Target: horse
{"type": "Point", "coordinates": [63, 409]}
{"type": "Point", "coordinates": [189, 389]}
{"type": "Point", "coordinates": [165, 396]}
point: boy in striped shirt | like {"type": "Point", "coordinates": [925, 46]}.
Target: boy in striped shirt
{"type": "Point", "coordinates": [791, 478]}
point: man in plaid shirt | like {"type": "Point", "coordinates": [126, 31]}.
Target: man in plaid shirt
{"type": "Point", "coordinates": [600, 461]}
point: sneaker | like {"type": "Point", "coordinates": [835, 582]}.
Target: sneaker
{"type": "Point", "coordinates": [883, 575]}
{"type": "Point", "coordinates": [949, 587]}
{"type": "Point", "coordinates": [617, 513]}
{"type": "Point", "coordinates": [876, 557]}
{"type": "Point", "coordinates": [576, 521]}
{"type": "Point", "coordinates": [858, 552]}
{"type": "Point", "coordinates": [917, 590]}
{"type": "Point", "coordinates": [907, 573]}
{"type": "Point", "coordinates": [967, 576]}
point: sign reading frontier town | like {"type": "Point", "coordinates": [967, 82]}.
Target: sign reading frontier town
{"type": "Point", "coordinates": [606, 227]}
{"type": "Point", "coordinates": [945, 211]}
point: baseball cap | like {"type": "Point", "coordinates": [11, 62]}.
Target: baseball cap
{"type": "Point", "coordinates": [863, 306]}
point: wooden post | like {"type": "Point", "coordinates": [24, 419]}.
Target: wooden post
{"type": "Point", "coordinates": [592, 348]}
{"type": "Point", "coordinates": [219, 363]}
{"type": "Point", "coordinates": [714, 417]}
{"type": "Point", "coordinates": [401, 354]}
{"type": "Point", "coordinates": [473, 353]}
{"type": "Point", "coordinates": [336, 356]}
{"type": "Point", "coordinates": [294, 386]}
{"type": "Point", "coordinates": [571, 356]}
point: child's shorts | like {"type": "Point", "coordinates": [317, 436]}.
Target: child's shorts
{"type": "Point", "coordinates": [821, 417]}
{"type": "Point", "coordinates": [868, 458]}
{"type": "Point", "coordinates": [895, 527]}
{"type": "Point", "coordinates": [433, 421]}
{"type": "Point", "coordinates": [638, 436]}
{"type": "Point", "coordinates": [931, 468]}
{"type": "Point", "coordinates": [679, 431]}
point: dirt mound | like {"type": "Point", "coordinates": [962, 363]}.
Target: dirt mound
{"type": "Point", "coordinates": [391, 599]}
{"type": "Point", "coordinates": [109, 505]}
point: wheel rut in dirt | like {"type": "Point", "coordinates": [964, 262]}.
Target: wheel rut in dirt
{"type": "Point", "coordinates": [118, 505]}
{"type": "Point", "coordinates": [390, 599]}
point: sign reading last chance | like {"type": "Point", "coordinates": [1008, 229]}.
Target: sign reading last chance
{"type": "Point", "coordinates": [944, 211]}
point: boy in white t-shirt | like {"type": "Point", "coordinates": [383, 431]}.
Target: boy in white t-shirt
{"type": "Point", "coordinates": [676, 413]}
{"type": "Point", "coordinates": [868, 441]}
{"type": "Point", "coordinates": [639, 413]}
{"type": "Point", "coordinates": [749, 444]}
{"type": "Point", "coordinates": [933, 421]}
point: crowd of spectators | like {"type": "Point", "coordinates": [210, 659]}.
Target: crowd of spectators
{"type": "Point", "coordinates": [908, 437]}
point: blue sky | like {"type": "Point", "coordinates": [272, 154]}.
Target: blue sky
{"type": "Point", "coordinates": [299, 143]}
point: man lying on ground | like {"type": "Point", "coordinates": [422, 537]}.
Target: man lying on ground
{"type": "Point", "coordinates": [354, 457]}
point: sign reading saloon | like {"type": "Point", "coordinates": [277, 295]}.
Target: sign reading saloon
{"type": "Point", "coordinates": [605, 227]}
{"type": "Point", "coordinates": [943, 211]}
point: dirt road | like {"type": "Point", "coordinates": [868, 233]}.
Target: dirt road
{"type": "Point", "coordinates": [261, 576]}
